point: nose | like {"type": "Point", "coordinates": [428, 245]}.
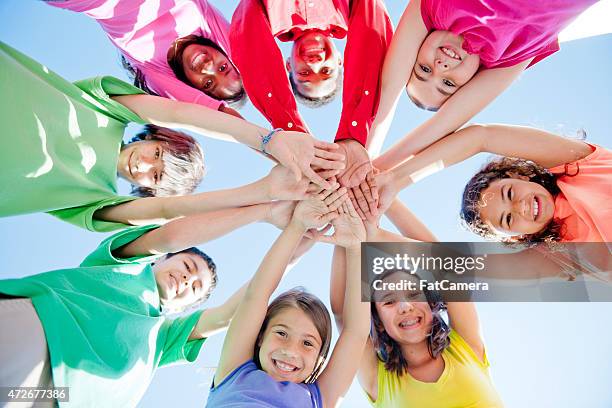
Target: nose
{"type": "Point", "coordinates": [187, 279]}
{"type": "Point", "coordinates": [442, 65]}
{"type": "Point", "coordinates": [521, 207]}
{"type": "Point", "coordinates": [404, 307]}
{"type": "Point", "coordinates": [208, 67]}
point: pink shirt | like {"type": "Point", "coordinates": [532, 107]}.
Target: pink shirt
{"type": "Point", "coordinates": [504, 32]}
{"type": "Point", "coordinates": [145, 30]}
{"type": "Point", "coordinates": [584, 206]}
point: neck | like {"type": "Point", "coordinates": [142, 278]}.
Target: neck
{"type": "Point", "coordinates": [416, 354]}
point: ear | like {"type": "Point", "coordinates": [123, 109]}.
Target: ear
{"type": "Point", "coordinates": [340, 61]}
{"type": "Point", "coordinates": [288, 66]}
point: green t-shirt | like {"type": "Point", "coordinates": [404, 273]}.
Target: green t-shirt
{"type": "Point", "coordinates": [105, 334]}
{"type": "Point", "coordinates": [61, 142]}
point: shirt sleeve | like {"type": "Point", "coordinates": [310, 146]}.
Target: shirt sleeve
{"type": "Point", "coordinates": [177, 348]}
{"type": "Point", "coordinates": [369, 35]}
{"type": "Point", "coordinates": [171, 87]}
{"type": "Point", "coordinates": [98, 92]}
{"type": "Point", "coordinates": [260, 62]}
{"type": "Point", "coordinates": [83, 216]}
{"type": "Point", "coordinates": [103, 254]}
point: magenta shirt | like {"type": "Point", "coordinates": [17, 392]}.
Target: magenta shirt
{"type": "Point", "coordinates": [145, 30]}
{"type": "Point", "coordinates": [504, 32]}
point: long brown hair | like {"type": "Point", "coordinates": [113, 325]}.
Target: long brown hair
{"type": "Point", "coordinates": [298, 298]}
{"type": "Point", "coordinates": [390, 352]}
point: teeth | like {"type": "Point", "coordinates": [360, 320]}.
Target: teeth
{"type": "Point", "coordinates": [536, 208]}
{"type": "Point", "coordinates": [450, 53]}
{"type": "Point", "coordinates": [408, 323]}
{"type": "Point", "coordinates": [283, 366]}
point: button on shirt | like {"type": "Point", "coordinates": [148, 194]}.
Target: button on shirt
{"type": "Point", "coordinates": [368, 30]}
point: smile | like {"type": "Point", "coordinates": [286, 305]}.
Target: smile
{"type": "Point", "coordinates": [535, 208]}
{"type": "Point", "coordinates": [284, 367]}
{"type": "Point", "coordinates": [450, 52]}
{"type": "Point", "coordinates": [129, 164]}
{"type": "Point", "coordinates": [410, 323]}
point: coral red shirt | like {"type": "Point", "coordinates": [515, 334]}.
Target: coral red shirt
{"type": "Point", "coordinates": [368, 28]}
{"type": "Point", "coordinates": [584, 206]}
{"type": "Point", "coordinates": [504, 32]}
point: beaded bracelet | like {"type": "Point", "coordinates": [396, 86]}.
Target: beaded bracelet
{"type": "Point", "coordinates": [266, 139]}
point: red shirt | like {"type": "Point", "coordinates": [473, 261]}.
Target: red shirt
{"type": "Point", "coordinates": [255, 25]}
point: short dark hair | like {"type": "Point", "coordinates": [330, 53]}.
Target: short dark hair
{"type": "Point", "coordinates": [317, 102]}
{"type": "Point", "coordinates": [504, 168]}
{"type": "Point", "coordinates": [183, 163]}
{"type": "Point", "coordinates": [299, 298]}
{"type": "Point", "coordinates": [209, 262]}
{"type": "Point", "coordinates": [390, 352]}
{"type": "Point", "coordinates": [175, 60]}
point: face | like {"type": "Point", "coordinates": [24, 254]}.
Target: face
{"type": "Point", "coordinates": [210, 71]}
{"type": "Point", "coordinates": [314, 63]}
{"type": "Point", "coordinates": [141, 163]}
{"type": "Point", "coordinates": [441, 68]}
{"type": "Point", "coordinates": [405, 315]}
{"type": "Point", "coordinates": [515, 206]}
{"type": "Point", "coordinates": [182, 280]}
{"type": "Point", "coordinates": [290, 346]}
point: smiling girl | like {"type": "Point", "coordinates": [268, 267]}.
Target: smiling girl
{"type": "Point", "coordinates": [273, 354]}
{"type": "Point", "coordinates": [456, 56]}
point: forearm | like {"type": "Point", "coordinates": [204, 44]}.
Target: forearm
{"type": "Point", "coordinates": [452, 149]}
{"type": "Point", "coordinates": [162, 209]}
{"type": "Point", "coordinates": [185, 232]}
{"type": "Point", "coordinates": [273, 266]}
{"type": "Point", "coordinates": [337, 285]}
{"type": "Point", "coordinates": [195, 118]}
{"type": "Point", "coordinates": [218, 318]}
{"type": "Point", "coordinates": [408, 224]}
{"type": "Point", "coordinates": [454, 113]}
{"type": "Point", "coordinates": [355, 314]}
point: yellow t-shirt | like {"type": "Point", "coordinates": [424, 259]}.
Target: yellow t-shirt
{"type": "Point", "coordinates": [464, 383]}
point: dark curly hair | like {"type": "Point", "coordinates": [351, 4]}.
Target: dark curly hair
{"type": "Point", "coordinates": [504, 168]}
{"type": "Point", "coordinates": [390, 352]}
{"type": "Point", "coordinates": [298, 298]}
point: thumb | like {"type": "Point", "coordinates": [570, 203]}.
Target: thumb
{"type": "Point", "coordinates": [327, 238]}
{"type": "Point", "coordinates": [327, 218]}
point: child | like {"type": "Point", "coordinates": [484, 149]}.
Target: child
{"type": "Point", "coordinates": [549, 188]}
{"type": "Point", "coordinates": [457, 56]}
{"type": "Point", "coordinates": [72, 135]}
{"type": "Point", "coordinates": [102, 328]}
{"type": "Point", "coordinates": [413, 359]}
{"type": "Point", "coordinates": [273, 355]}
{"type": "Point", "coordinates": [178, 49]}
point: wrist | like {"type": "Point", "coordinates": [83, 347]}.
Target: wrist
{"type": "Point", "coordinates": [296, 225]}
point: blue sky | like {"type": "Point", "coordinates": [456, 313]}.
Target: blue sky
{"type": "Point", "coordinates": [542, 355]}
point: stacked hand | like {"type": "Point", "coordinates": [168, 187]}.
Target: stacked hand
{"type": "Point", "coordinates": [357, 163]}
{"type": "Point", "coordinates": [319, 208]}
{"type": "Point", "coordinates": [300, 153]}
{"type": "Point", "coordinates": [374, 195]}
{"type": "Point", "coordinates": [349, 230]}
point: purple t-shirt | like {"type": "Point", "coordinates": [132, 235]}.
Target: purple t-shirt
{"type": "Point", "coordinates": [504, 32]}
{"type": "Point", "coordinates": [249, 387]}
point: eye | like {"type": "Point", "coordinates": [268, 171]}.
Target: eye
{"type": "Point", "coordinates": [304, 72]}
{"type": "Point", "coordinates": [308, 343]}
{"type": "Point", "coordinates": [281, 333]}
{"type": "Point", "coordinates": [388, 303]}
{"type": "Point", "coordinates": [157, 153]}
{"type": "Point", "coordinates": [448, 83]}
{"type": "Point", "coordinates": [510, 193]}
{"type": "Point", "coordinates": [156, 177]}
{"type": "Point", "coordinates": [508, 220]}
{"type": "Point", "coordinates": [425, 68]}
{"type": "Point", "coordinates": [207, 84]}
{"type": "Point", "coordinates": [223, 67]}
{"type": "Point", "coordinates": [326, 71]}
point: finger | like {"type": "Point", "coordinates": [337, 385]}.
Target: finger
{"type": "Point", "coordinates": [367, 193]}
{"type": "Point", "coordinates": [326, 154]}
{"type": "Point", "coordinates": [351, 210]}
{"type": "Point", "coordinates": [338, 202]}
{"type": "Point", "coordinates": [360, 174]}
{"type": "Point", "coordinates": [362, 203]}
{"type": "Point", "coordinates": [310, 234]}
{"type": "Point", "coordinates": [327, 238]}
{"type": "Point", "coordinates": [361, 213]}
{"type": "Point", "coordinates": [327, 174]}
{"type": "Point", "coordinates": [340, 210]}
{"type": "Point", "coordinates": [315, 178]}
{"type": "Point", "coordinates": [319, 144]}
{"type": "Point", "coordinates": [327, 164]}
{"type": "Point", "coordinates": [329, 217]}
{"type": "Point", "coordinates": [334, 196]}
{"type": "Point", "coordinates": [371, 180]}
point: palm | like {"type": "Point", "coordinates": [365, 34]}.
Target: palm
{"type": "Point", "coordinates": [357, 163]}
{"type": "Point", "coordinates": [311, 212]}
{"type": "Point", "coordinates": [280, 213]}
{"type": "Point", "coordinates": [348, 230]}
{"type": "Point", "coordinates": [283, 185]}
{"type": "Point", "coordinates": [386, 192]}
